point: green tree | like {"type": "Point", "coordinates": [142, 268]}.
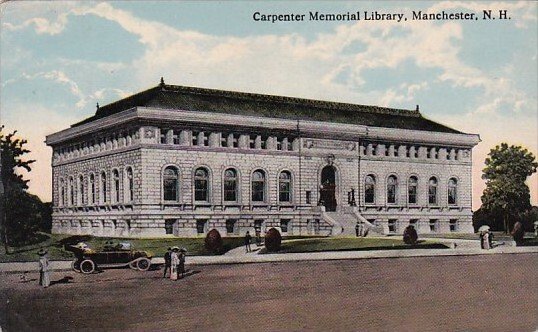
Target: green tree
{"type": "Point", "coordinates": [22, 213]}
{"type": "Point", "coordinates": [506, 194]}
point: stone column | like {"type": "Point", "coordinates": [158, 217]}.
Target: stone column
{"type": "Point", "coordinates": [244, 141]}
{"type": "Point", "coordinates": [185, 138]}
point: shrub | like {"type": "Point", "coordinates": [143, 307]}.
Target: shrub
{"type": "Point", "coordinates": [213, 242]}
{"type": "Point", "coordinates": [410, 235]}
{"type": "Point", "coordinates": [273, 240]}
{"type": "Point", "coordinates": [518, 232]}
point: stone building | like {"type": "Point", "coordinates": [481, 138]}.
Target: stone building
{"type": "Point", "coordinates": [181, 160]}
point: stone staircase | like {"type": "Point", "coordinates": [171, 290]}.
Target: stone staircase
{"type": "Point", "coordinates": [344, 222]}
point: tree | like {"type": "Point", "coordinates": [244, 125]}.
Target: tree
{"type": "Point", "coordinates": [22, 214]}
{"type": "Point", "coordinates": [506, 193]}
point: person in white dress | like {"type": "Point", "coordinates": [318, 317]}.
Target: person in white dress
{"type": "Point", "coordinates": [174, 262]}
{"type": "Point", "coordinates": [486, 240]}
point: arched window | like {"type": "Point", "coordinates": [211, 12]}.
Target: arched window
{"type": "Point", "coordinates": [92, 189]}
{"type": "Point", "coordinates": [284, 186]}
{"type": "Point", "coordinates": [432, 191]}
{"type": "Point", "coordinates": [103, 188]}
{"type": "Point", "coordinates": [392, 189]}
{"type": "Point", "coordinates": [412, 190]}
{"type": "Point", "coordinates": [116, 185]}
{"type": "Point", "coordinates": [71, 191]}
{"type": "Point", "coordinates": [230, 185]}
{"type": "Point", "coordinates": [258, 186]}
{"type": "Point", "coordinates": [201, 185]}
{"type": "Point", "coordinates": [369, 189]}
{"type": "Point", "coordinates": [452, 191]}
{"type": "Point", "coordinates": [171, 184]}
{"type": "Point", "coordinates": [61, 193]}
{"type": "Point", "coordinates": [81, 189]}
{"type": "Point", "coordinates": [129, 191]}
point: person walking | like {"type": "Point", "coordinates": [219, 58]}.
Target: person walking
{"type": "Point", "coordinates": [181, 267]}
{"type": "Point", "coordinates": [44, 271]}
{"type": "Point", "coordinates": [167, 261]}
{"type": "Point", "coordinates": [248, 240]}
{"type": "Point", "coordinates": [174, 263]}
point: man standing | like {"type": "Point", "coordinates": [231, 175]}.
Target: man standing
{"type": "Point", "coordinates": [44, 273]}
{"type": "Point", "coordinates": [167, 261]}
{"type": "Point", "coordinates": [248, 239]}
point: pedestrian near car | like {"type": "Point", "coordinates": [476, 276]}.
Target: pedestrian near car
{"type": "Point", "coordinates": [167, 261]}
{"type": "Point", "coordinates": [174, 263]}
{"type": "Point", "coordinates": [248, 240]}
{"type": "Point", "coordinates": [44, 271]}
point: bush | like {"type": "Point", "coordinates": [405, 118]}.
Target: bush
{"type": "Point", "coordinates": [518, 232]}
{"type": "Point", "coordinates": [213, 242]}
{"type": "Point", "coordinates": [410, 235]}
{"type": "Point", "coordinates": [273, 240]}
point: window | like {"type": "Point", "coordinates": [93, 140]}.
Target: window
{"type": "Point", "coordinates": [392, 225]}
{"type": "Point", "coordinates": [61, 194]}
{"type": "Point", "coordinates": [169, 226]}
{"type": "Point", "coordinates": [230, 226]}
{"type": "Point", "coordinates": [433, 225]}
{"type": "Point", "coordinates": [92, 189]}
{"type": "Point", "coordinates": [284, 225]}
{"type": "Point", "coordinates": [171, 184]}
{"type": "Point", "coordinates": [230, 185]}
{"type": "Point", "coordinates": [452, 191]}
{"type": "Point", "coordinates": [201, 185]}
{"type": "Point", "coordinates": [284, 187]}
{"type": "Point", "coordinates": [432, 191]}
{"type": "Point", "coordinates": [369, 189]}
{"type": "Point", "coordinates": [103, 188]}
{"type": "Point", "coordinates": [81, 190]}
{"type": "Point", "coordinates": [453, 225]}
{"type": "Point", "coordinates": [201, 226]}
{"type": "Point", "coordinates": [308, 197]}
{"type": "Point", "coordinates": [412, 190]}
{"type": "Point", "coordinates": [116, 185]}
{"type": "Point", "coordinates": [71, 191]}
{"type": "Point", "coordinates": [258, 186]}
{"type": "Point", "coordinates": [130, 184]}
{"type": "Point", "coordinates": [392, 188]}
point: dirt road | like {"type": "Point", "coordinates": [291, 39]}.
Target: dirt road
{"type": "Point", "coordinates": [478, 293]}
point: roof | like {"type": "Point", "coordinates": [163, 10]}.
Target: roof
{"type": "Point", "coordinates": [240, 103]}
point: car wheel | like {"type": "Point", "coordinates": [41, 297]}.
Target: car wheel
{"type": "Point", "coordinates": [87, 266]}
{"type": "Point", "coordinates": [75, 265]}
{"type": "Point", "coordinates": [143, 264]}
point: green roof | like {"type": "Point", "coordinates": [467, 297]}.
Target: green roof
{"type": "Point", "coordinates": [240, 103]}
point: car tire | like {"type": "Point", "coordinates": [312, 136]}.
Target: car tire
{"type": "Point", "coordinates": [87, 266]}
{"type": "Point", "coordinates": [143, 264]}
{"type": "Point", "coordinates": [75, 265]}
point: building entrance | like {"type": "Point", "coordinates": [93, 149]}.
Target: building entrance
{"type": "Point", "coordinates": [328, 188]}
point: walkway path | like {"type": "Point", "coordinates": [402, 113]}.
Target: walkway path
{"type": "Point", "coordinates": [238, 256]}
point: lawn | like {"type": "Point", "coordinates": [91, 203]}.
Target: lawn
{"type": "Point", "coordinates": [355, 244]}
{"type": "Point", "coordinates": [54, 243]}
{"type": "Point", "coordinates": [156, 246]}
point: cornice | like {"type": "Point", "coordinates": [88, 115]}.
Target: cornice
{"type": "Point", "coordinates": [305, 127]}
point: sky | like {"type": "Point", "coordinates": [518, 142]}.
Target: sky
{"type": "Point", "coordinates": [58, 59]}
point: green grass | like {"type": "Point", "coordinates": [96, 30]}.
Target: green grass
{"type": "Point", "coordinates": [156, 246]}
{"type": "Point", "coordinates": [353, 244]}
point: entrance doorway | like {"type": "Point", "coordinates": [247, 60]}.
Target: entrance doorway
{"type": "Point", "coordinates": [328, 188]}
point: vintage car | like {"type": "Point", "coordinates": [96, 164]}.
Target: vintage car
{"type": "Point", "coordinates": [87, 260]}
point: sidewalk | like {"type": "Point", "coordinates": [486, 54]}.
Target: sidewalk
{"type": "Point", "coordinates": [253, 257]}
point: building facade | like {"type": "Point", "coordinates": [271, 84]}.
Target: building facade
{"type": "Point", "coordinates": [180, 161]}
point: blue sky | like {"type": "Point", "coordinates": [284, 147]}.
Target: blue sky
{"type": "Point", "coordinates": [58, 59]}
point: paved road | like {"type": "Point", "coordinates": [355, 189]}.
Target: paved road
{"type": "Point", "coordinates": [455, 293]}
